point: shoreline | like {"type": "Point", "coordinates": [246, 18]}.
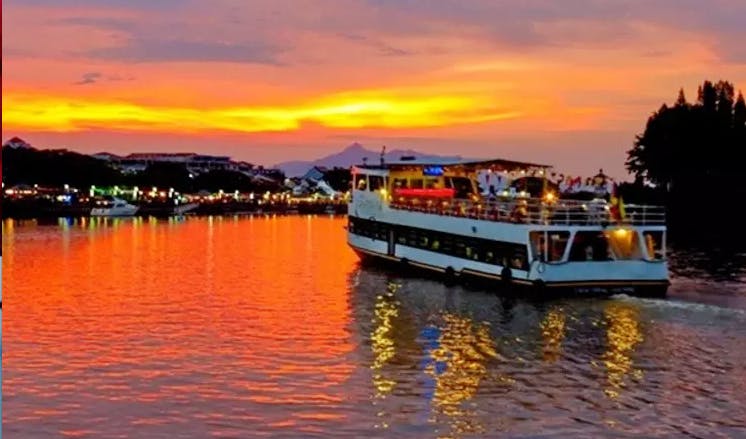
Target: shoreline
{"type": "Point", "coordinates": [15, 210]}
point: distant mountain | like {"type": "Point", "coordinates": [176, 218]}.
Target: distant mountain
{"type": "Point", "coordinates": [352, 155]}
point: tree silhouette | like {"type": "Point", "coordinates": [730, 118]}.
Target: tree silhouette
{"type": "Point", "coordinates": [338, 178]}
{"type": "Point", "coordinates": [695, 153]}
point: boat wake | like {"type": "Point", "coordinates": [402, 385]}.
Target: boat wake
{"type": "Point", "coordinates": [681, 305]}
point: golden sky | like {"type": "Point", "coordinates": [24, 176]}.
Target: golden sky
{"type": "Point", "coordinates": [563, 82]}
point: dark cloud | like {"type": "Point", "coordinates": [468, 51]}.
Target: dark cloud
{"type": "Point", "coordinates": [115, 78]}
{"type": "Point", "coordinates": [94, 77]}
{"type": "Point", "coordinates": [89, 78]}
{"type": "Point", "coordinates": [155, 50]}
{"type": "Point", "coordinates": [379, 46]}
{"type": "Point", "coordinates": [386, 50]}
{"type": "Point", "coordinates": [517, 23]}
{"type": "Point", "coordinates": [228, 30]}
{"type": "Point", "coordinates": [352, 36]}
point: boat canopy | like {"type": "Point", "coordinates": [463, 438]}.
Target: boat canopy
{"type": "Point", "coordinates": [414, 163]}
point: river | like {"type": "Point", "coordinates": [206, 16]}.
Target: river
{"type": "Point", "coordinates": [269, 327]}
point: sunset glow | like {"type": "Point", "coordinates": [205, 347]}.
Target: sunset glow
{"type": "Point", "coordinates": [265, 81]}
{"type": "Point", "coordinates": [42, 113]}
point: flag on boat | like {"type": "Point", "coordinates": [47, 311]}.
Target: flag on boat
{"type": "Point", "coordinates": [617, 205]}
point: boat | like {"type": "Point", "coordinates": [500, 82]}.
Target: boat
{"type": "Point", "coordinates": [182, 209]}
{"type": "Point", "coordinates": [166, 209]}
{"type": "Point", "coordinates": [113, 206]}
{"type": "Point", "coordinates": [434, 215]}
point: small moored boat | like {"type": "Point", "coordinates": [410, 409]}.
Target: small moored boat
{"type": "Point", "coordinates": [112, 206]}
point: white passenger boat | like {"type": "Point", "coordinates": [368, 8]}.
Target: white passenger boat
{"type": "Point", "coordinates": [112, 206]}
{"type": "Point", "coordinates": [432, 215]}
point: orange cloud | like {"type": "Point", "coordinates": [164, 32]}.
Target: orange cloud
{"type": "Point", "coordinates": [349, 110]}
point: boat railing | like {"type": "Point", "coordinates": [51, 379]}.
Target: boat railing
{"type": "Point", "coordinates": [536, 211]}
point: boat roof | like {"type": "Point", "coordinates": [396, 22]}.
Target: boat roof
{"type": "Point", "coordinates": [418, 162]}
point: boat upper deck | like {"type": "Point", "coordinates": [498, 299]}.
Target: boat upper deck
{"type": "Point", "coordinates": [537, 211]}
{"type": "Point", "coordinates": [519, 192]}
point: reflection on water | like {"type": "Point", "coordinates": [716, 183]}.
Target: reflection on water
{"type": "Point", "coordinates": [456, 361]}
{"type": "Point", "coordinates": [268, 326]}
{"type": "Point", "coordinates": [622, 336]}
{"type": "Point", "coordinates": [383, 346]}
{"type": "Point", "coordinates": [553, 332]}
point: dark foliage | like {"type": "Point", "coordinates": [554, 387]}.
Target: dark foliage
{"type": "Point", "coordinates": [162, 175]}
{"type": "Point", "coordinates": [55, 167]}
{"type": "Point", "coordinates": [228, 181]}
{"type": "Point", "coordinates": [339, 179]}
{"type": "Point", "coordinates": [695, 153]}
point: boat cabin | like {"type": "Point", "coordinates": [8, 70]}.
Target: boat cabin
{"type": "Point", "coordinates": [411, 179]}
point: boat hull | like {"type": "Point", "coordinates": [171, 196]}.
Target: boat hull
{"type": "Point", "coordinates": [525, 288]}
{"type": "Point", "coordinates": [119, 211]}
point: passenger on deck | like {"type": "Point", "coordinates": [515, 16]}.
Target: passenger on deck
{"type": "Point", "coordinates": [492, 193]}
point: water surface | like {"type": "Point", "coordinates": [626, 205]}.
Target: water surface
{"type": "Point", "coordinates": [268, 326]}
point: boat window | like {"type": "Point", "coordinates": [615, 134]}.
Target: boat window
{"type": "Point", "coordinates": [518, 259]}
{"type": "Point", "coordinates": [475, 249]}
{"type": "Point", "coordinates": [412, 238]}
{"type": "Point", "coordinates": [447, 246]}
{"type": "Point", "coordinates": [375, 182]}
{"type": "Point", "coordinates": [368, 228]}
{"type": "Point", "coordinates": [555, 247]}
{"type": "Point", "coordinates": [557, 244]}
{"type": "Point", "coordinates": [416, 183]}
{"type": "Point", "coordinates": [431, 183]}
{"type": "Point", "coordinates": [423, 241]}
{"type": "Point", "coordinates": [537, 245]}
{"type": "Point", "coordinates": [463, 187]}
{"type": "Point", "coordinates": [400, 183]}
{"type": "Point", "coordinates": [624, 244]}
{"type": "Point", "coordinates": [590, 246]}
{"type": "Point", "coordinates": [361, 181]}
{"type": "Point", "coordinates": [654, 245]}
{"type": "Point", "coordinates": [459, 248]}
{"type": "Point", "coordinates": [383, 231]}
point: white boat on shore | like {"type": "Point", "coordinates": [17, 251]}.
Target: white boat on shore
{"type": "Point", "coordinates": [182, 209]}
{"type": "Point", "coordinates": [432, 215]}
{"type": "Point", "coordinates": [112, 206]}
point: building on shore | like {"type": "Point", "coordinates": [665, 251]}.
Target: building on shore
{"type": "Point", "coordinates": [195, 163]}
